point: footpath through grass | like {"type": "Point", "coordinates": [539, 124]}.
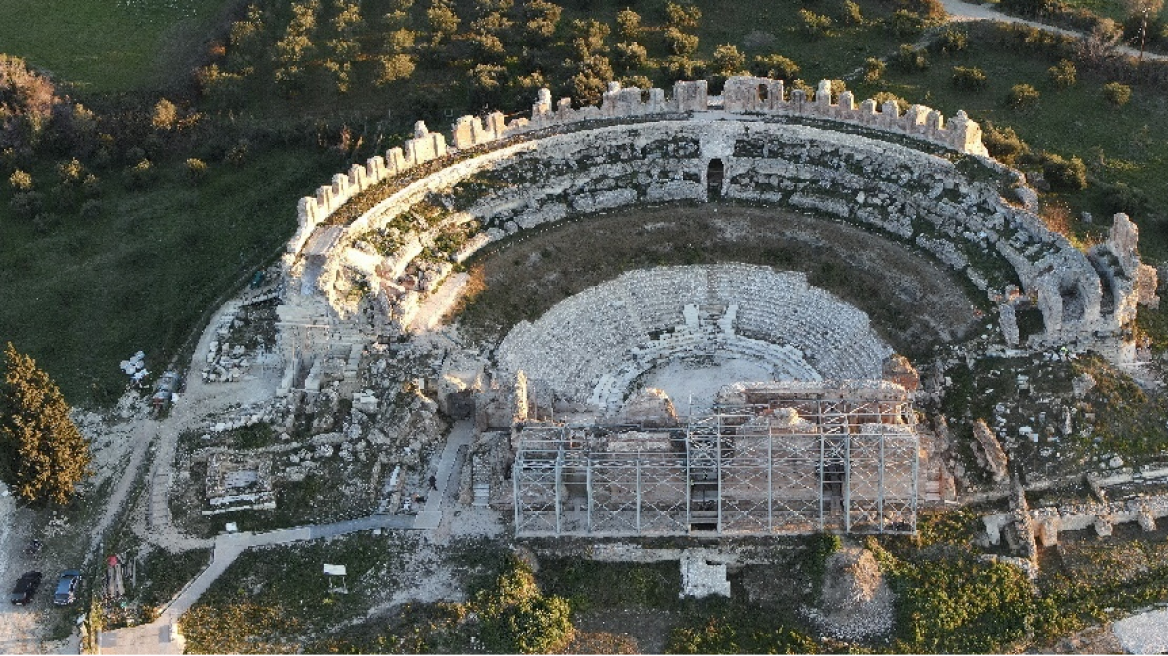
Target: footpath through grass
{"type": "Point", "coordinates": [109, 45]}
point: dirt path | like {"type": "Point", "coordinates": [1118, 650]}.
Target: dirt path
{"type": "Point", "coordinates": [964, 11]}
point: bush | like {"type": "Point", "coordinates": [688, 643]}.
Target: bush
{"type": "Point", "coordinates": [632, 55]}
{"type": "Point", "coordinates": [1027, 7]}
{"type": "Point", "coordinates": [852, 14]}
{"type": "Point", "coordinates": [196, 170]}
{"type": "Point", "coordinates": [237, 155]}
{"type": "Point", "coordinates": [91, 209]}
{"type": "Point", "coordinates": [933, 11]}
{"type": "Point", "coordinates": [814, 25]}
{"type": "Point", "coordinates": [71, 172]}
{"type": "Point", "coordinates": [873, 69]}
{"type": "Point", "coordinates": [1003, 144]}
{"type": "Point", "coordinates": [728, 60]}
{"type": "Point", "coordinates": [905, 24]}
{"type": "Point", "coordinates": [969, 79]}
{"type": "Point", "coordinates": [885, 96]}
{"type": "Point", "coordinates": [27, 204]}
{"type": "Point", "coordinates": [775, 66]}
{"type": "Point", "coordinates": [679, 42]}
{"type": "Point", "coordinates": [20, 181]}
{"type": "Point", "coordinates": [1117, 94]}
{"type": "Point", "coordinates": [1022, 96]}
{"type": "Point", "coordinates": [1063, 174]}
{"type": "Point", "coordinates": [1063, 74]}
{"type": "Point", "coordinates": [951, 40]}
{"type": "Point", "coordinates": [91, 186]}
{"type": "Point", "coordinates": [1119, 197]}
{"type": "Point", "coordinates": [140, 175]}
{"type": "Point", "coordinates": [910, 59]}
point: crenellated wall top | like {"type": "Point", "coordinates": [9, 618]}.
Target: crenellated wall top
{"type": "Point", "coordinates": [740, 95]}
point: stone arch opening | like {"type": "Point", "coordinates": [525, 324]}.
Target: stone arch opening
{"type": "Point", "coordinates": [1074, 305]}
{"type": "Point", "coordinates": [715, 174]}
{"type": "Point", "coordinates": [763, 93]}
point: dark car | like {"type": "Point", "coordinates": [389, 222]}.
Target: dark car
{"type": "Point", "coordinates": [67, 587]}
{"type": "Point", "coordinates": [25, 588]}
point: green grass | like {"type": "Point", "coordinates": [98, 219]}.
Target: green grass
{"type": "Point", "coordinates": [1118, 145]}
{"type": "Point", "coordinates": [109, 45]}
{"type": "Point", "coordinates": [270, 599]}
{"type": "Point", "coordinates": [91, 293]}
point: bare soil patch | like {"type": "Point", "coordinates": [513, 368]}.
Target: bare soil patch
{"type": "Point", "coordinates": [913, 301]}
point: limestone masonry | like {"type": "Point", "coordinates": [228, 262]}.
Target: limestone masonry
{"type": "Point", "coordinates": [916, 178]}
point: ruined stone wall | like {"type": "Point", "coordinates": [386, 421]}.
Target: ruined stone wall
{"type": "Point", "coordinates": [665, 150]}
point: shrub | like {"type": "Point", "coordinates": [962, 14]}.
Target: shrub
{"type": "Point", "coordinates": [91, 209]}
{"type": "Point", "coordinates": [933, 11]}
{"type": "Point", "coordinates": [140, 175]}
{"type": "Point", "coordinates": [775, 66]}
{"type": "Point", "coordinates": [27, 204]}
{"type": "Point", "coordinates": [91, 186]}
{"type": "Point", "coordinates": [71, 172]}
{"type": "Point", "coordinates": [1119, 197]}
{"type": "Point", "coordinates": [885, 96]}
{"type": "Point", "coordinates": [237, 155]}
{"type": "Point", "coordinates": [196, 170]}
{"type": "Point", "coordinates": [814, 25]}
{"type": "Point", "coordinates": [1117, 93]}
{"type": "Point", "coordinates": [873, 69]}
{"type": "Point", "coordinates": [1022, 96]}
{"type": "Point", "coordinates": [1063, 74]}
{"type": "Point", "coordinates": [679, 42]}
{"type": "Point", "coordinates": [682, 16]}
{"type": "Point", "coordinates": [20, 181]}
{"type": "Point", "coordinates": [852, 14]}
{"type": "Point", "coordinates": [165, 115]}
{"type": "Point", "coordinates": [632, 55]}
{"type": "Point", "coordinates": [1003, 144]}
{"type": "Point", "coordinates": [969, 78]}
{"type": "Point", "coordinates": [628, 24]}
{"type": "Point", "coordinates": [910, 59]}
{"type": "Point", "coordinates": [1027, 7]}
{"type": "Point", "coordinates": [951, 40]}
{"type": "Point", "coordinates": [1063, 174]}
{"type": "Point", "coordinates": [728, 60]}
{"type": "Point", "coordinates": [905, 24]}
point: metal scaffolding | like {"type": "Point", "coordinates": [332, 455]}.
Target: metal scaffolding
{"type": "Point", "coordinates": [818, 462]}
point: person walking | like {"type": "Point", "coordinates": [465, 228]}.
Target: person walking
{"type": "Point", "coordinates": [433, 482]}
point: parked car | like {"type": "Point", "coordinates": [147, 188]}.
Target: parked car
{"type": "Point", "coordinates": [25, 588]}
{"type": "Point", "coordinates": [67, 587]}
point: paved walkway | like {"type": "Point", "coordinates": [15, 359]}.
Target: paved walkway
{"type": "Point", "coordinates": [162, 637]}
{"type": "Point", "coordinates": [446, 475]}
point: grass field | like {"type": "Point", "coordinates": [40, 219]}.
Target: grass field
{"type": "Point", "coordinates": [92, 293]}
{"type": "Point", "coordinates": [109, 45]}
{"type": "Point", "coordinates": [1124, 144]}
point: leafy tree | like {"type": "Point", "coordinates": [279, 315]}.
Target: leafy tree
{"type": "Point", "coordinates": [1117, 93]}
{"type": "Point", "coordinates": [683, 17]}
{"type": "Point", "coordinates": [20, 180]}
{"type": "Point", "coordinates": [540, 21]}
{"type": "Point", "coordinates": [443, 22]}
{"type": "Point", "coordinates": [632, 55]}
{"type": "Point", "coordinates": [814, 25]}
{"type": "Point", "coordinates": [873, 69]}
{"type": "Point", "coordinates": [591, 80]}
{"type": "Point", "coordinates": [905, 24]}
{"type": "Point", "coordinates": [728, 60]}
{"type": "Point", "coordinates": [628, 24]}
{"type": "Point", "coordinates": [165, 115]}
{"type": "Point", "coordinates": [775, 66]}
{"type": "Point", "coordinates": [196, 170]}
{"type": "Point", "coordinates": [1003, 144]}
{"type": "Point", "coordinates": [680, 43]}
{"type": "Point", "coordinates": [969, 78]}
{"type": "Point", "coordinates": [588, 38]}
{"type": "Point", "coordinates": [26, 104]}
{"type": "Point", "coordinates": [42, 452]}
{"type": "Point", "coordinates": [1022, 96]}
{"type": "Point", "coordinates": [517, 618]}
{"type": "Point", "coordinates": [951, 40]}
{"type": "Point", "coordinates": [910, 59]}
{"type": "Point", "coordinates": [852, 14]}
{"type": "Point", "coordinates": [1064, 174]}
{"type": "Point", "coordinates": [1063, 74]}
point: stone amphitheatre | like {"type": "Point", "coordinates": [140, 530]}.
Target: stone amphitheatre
{"type": "Point", "coordinates": [719, 397]}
